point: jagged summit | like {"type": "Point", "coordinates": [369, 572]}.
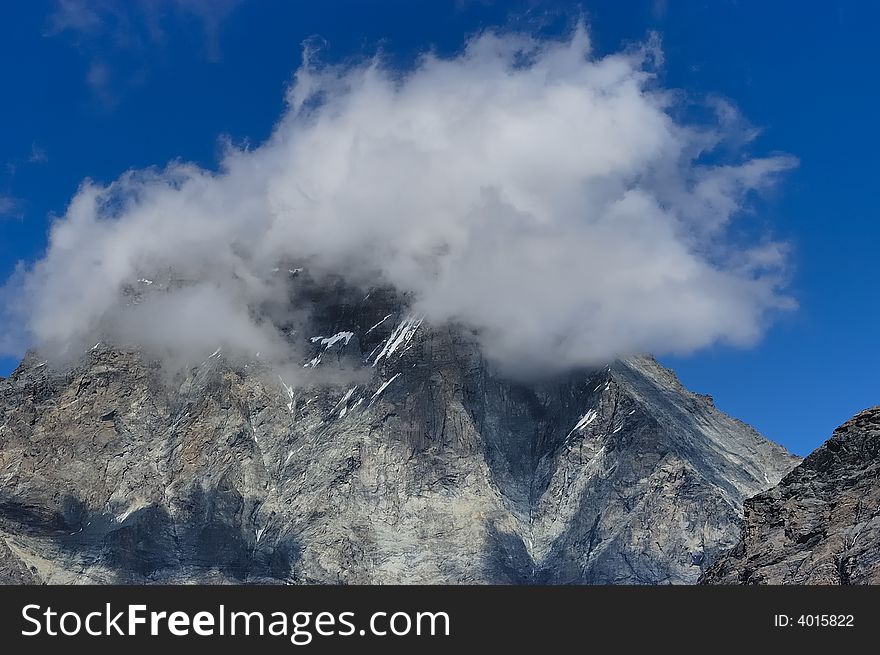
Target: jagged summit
{"type": "Point", "coordinates": [426, 465]}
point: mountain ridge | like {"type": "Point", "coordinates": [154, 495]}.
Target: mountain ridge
{"type": "Point", "coordinates": [428, 466]}
{"type": "Point", "coordinates": [821, 523]}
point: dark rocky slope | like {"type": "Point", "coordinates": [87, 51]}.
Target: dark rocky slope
{"type": "Point", "coordinates": [428, 468]}
{"type": "Point", "coordinates": [821, 523]}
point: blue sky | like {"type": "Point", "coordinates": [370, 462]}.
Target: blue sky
{"type": "Point", "coordinates": [92, 93]}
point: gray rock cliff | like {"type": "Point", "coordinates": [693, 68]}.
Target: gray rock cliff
{"type": "Point", "coordinates": [427, 467]}
{"type": "Point", "coordinates": [821, 523]}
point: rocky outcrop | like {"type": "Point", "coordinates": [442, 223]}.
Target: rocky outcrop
{"type": "Point", "coordinates": [423, 465]}
{"type": "Point", "coordinates": [821, 523]}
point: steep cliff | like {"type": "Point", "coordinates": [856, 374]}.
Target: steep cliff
{"type": "Point", "coordinates": [422, 464]}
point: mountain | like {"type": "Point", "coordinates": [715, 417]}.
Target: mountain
{"type": "Point", "coordinates": [421, 464]}
{"type": "Point", "coordinates": [821, 523]}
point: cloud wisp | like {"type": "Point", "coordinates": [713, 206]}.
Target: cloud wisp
{"type": "Point", "coordinates": [108, 32]}
{"type": "Point", "coordinates": [547, 197]}
{"type": "Point", "coordinates": [8, 205]}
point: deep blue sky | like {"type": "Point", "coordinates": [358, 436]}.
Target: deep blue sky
{"type": "Point", "coordinates": [133, 85]}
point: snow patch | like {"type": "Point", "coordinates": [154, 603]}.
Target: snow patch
{"type": "Point", "coordinates": [584, 421]}
{"type": "Point", "coordinates": [290, 394]}
{"type": "Point", "coordinates": [383, 387]}
{"type": "Point", "coordinates": [379, 323]}
{"type": "Point", "coordinates": [343, 402]}
{"type": "Point", "coordinates": [401, 336]}
{"type": "Point", "coordinates": [327, 342]}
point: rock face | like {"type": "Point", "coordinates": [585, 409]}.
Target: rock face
{"type": "Point", "coordinates": [821, 523]}
{"type": "Point", "coordinates": [425, 467]}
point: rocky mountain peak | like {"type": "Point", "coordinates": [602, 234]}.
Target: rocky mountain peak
{"type": "Point", "coordinates": [409, 459]}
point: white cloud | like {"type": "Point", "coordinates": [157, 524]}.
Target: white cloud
{"type": "Point", "coordinates": [75, 15]}
{"type": "Point", "coordinates": [538, 193]}
{"type": "Point", "coordinates": [7, 205]}
{"type": "Point", "coordinates": [118, 36]}
{"type": "Point", "coordinates": [129, 22]}
{"type": "Point", "coordinates": [38, 155]}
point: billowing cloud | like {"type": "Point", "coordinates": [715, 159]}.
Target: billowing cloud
{"type": "Point", "coordinates": [547, 197]}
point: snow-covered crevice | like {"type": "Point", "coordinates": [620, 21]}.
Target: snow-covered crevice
{"type": "Point", "coordinates": [379, 323]}
{"type": "Point", "coordinates": [290, 394]}
{"type": "Point", "coordinates": [400, 339]}
{"type": "Point", "coordinates": [584, 421]}
{"type": "Point", "coordinates": [342, 405]}
{"type": "Point", "coordinates": [382, 388]}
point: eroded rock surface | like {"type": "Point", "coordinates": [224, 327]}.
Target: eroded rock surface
{"type": "Point", "coordinates": [821, 523]}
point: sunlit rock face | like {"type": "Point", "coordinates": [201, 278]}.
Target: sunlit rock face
{"type": "Point", "coordinates": [396, 454]}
